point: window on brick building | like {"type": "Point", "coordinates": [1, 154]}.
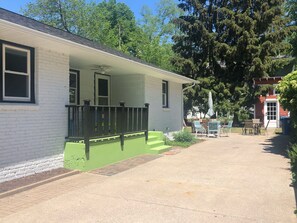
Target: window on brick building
{"type": "Point", "coordinates": [17, 73]}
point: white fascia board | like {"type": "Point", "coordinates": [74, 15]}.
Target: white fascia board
{"type": "Point", "coordinates": [171, 76]}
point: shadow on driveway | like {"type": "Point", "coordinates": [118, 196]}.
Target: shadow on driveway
{"type": "Point", "coordinates": [279, 145]}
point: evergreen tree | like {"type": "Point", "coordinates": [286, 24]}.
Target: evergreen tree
{"type": "Point", "coordinates": [291, 9]}
{"type": "Point", "coordinates": [230, 43]}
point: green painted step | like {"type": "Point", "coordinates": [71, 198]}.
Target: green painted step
{"type": "Point", "coordinates": [152, 138]}
{"type": "Point", "coordinates": [158, 135]}
{"type": "Point", "coordinates": [154, 144]}
{"type": "Point", "coordinates": [159, 149]}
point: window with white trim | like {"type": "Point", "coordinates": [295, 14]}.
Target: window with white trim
{"type": "Point", "coordinates": [102, 85]}
{"type": "Point", "coordinates": [17, 76]}
{"type": "Point", "coordinates": [165, 103]}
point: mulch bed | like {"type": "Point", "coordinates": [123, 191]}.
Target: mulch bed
{"type": "Point", "coordinates": [24, 181]}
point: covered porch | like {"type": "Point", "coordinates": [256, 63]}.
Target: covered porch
{"type": "Point", "coordinates": [108, 115]}
{"type": "Point", "coordinates": [106, 98]}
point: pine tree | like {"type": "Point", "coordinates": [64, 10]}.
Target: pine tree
{"type": "Point", "coordinates": [231, 42]}
{"type": "Point", "coordinates": [291, 9]}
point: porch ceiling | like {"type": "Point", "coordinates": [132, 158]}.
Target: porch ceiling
{"type": "Point", "coordinates": [82, 56]}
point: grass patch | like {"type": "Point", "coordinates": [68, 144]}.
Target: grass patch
{"type": "Point", "coordinates": [239, 130]}
{"type": "Point", "coordinates": [236, 130]}
{"type": "Point", "coordinates": [188, 129]}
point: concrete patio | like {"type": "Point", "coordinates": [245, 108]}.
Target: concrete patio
{"type": "Point", "coordinates": [228, 179]}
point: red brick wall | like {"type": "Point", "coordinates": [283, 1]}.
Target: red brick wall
{"type": "Point", "coordinates": [259, 106]}
{"type": "Point", "coordinates": [259, 109]}
{"type": "Point", "coordinates": [283, 112]}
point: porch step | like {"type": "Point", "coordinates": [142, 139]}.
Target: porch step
{"type": "Point", "coordinates": [152, 138]}
{"type": "Point", "coordinates": [159, 149]}
{"type": "Point", "coordinates": [156, 144]}
{"type": "Point", "coordinates": [153, 144]}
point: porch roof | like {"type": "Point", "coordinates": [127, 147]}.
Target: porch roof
{"type": "Point", "coordinates": [83, 53]}
{"type": "Point", "coordinates": [267, 80]}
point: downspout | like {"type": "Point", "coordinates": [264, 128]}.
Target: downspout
{"type": "Point", "coordinates": [182, 101]}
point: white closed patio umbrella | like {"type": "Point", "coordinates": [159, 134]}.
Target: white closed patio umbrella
{"type": "Point", "coordinates": [210, 111]}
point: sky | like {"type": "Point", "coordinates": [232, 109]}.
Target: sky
{"type": "Point", "coordinates": [135, 5]}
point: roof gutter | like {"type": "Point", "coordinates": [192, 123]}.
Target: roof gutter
{"type": "Point", "coordinates": [74, 43]}
{"type": "Point", "coordinates": [191, 86]}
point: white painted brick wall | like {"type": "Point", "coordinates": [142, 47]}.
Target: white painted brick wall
{"type": "Point", "coordinates": [160, 118]}
{"type": "Point", "coordinates": [29, 133]}
{"type": "Point", "coordinates": [137, 89]}
{"type": "Point", "coordinates": [128, 88]}
{"type": "Point", "coordinates": [31, 167]}
{"type": "Point", "coordinates": [86, 85]}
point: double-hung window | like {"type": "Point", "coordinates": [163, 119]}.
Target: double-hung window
{"type": "Point", "coordinates": [165, 103]}
{"type": "Point", "coordinates": [17, 73]}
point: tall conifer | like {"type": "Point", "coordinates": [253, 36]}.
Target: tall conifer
{"type": "Point", "coordinates": [232, 42]}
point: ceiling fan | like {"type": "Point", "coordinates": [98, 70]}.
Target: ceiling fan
{"type": "Point", "coordinates": [101, 68]}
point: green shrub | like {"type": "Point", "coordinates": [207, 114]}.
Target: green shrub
{"type": "Point", "coordinates": [287, 88]}
{"type": "Point", "coordinates": [293, 157]}
{"type": "Point", "coordinates": [183, 136]}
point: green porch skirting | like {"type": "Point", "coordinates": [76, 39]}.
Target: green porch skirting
{"type": "Point", "coordinates": [106, 151]}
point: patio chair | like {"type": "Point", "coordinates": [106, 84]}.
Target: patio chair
{"type": "Point", "coordinates": [227, 128]}
{"type": "Point", "coordinates": [198, 128]}
{"type": "Point", "coordinates": [248, 127]}
{"type": "Point", "coordinates": [214, 128]}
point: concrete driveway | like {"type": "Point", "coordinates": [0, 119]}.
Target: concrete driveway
{"type": "Point", "coordinates": [229, 179]}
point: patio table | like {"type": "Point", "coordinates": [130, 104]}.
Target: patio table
{"type": "Point", "coordinates": [248, 127]}
{"type": "Point", "coordinates": [252, 127]}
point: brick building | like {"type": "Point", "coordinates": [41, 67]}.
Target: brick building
{"type": "Point", "coordinates": [267, 107]}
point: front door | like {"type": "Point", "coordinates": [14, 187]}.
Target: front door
{"type": "Point", "coordinates": [102, 89]}
{"type": "Point", "coordinates": [271, 114]}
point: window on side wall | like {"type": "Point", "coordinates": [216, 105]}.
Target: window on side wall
{"type": "Point", "coordinates": [17, 73]}
{"type": "Point", "coordinates": [165, 103]}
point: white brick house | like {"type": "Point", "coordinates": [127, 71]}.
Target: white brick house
{"type": "Point", "coordinates": [43, 69]}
